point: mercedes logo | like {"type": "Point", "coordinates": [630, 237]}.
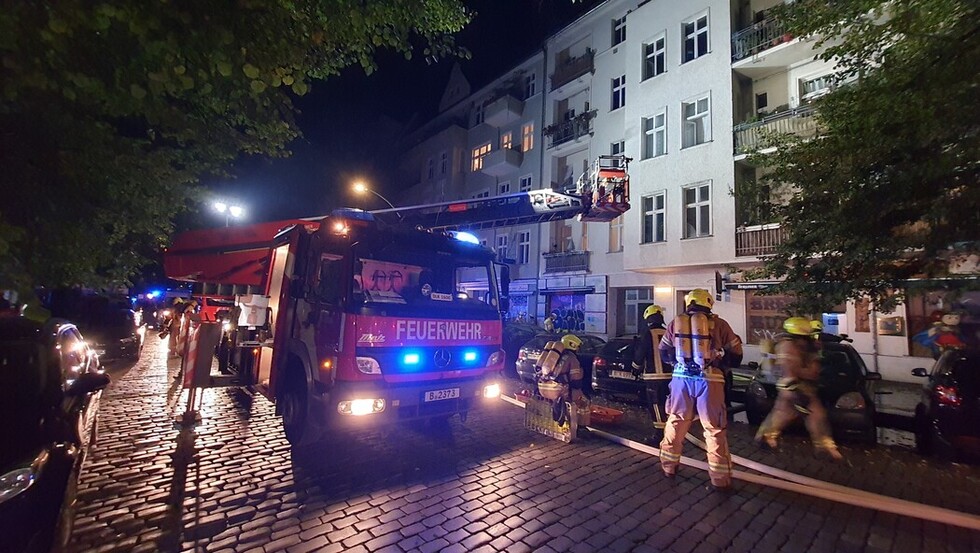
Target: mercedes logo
{"type": "Point", "coordinates": [441, 358]}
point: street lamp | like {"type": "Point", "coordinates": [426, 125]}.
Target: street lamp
{"type": "Point", "coordinates": [230, 211]}
{"type": "Point", "coordinates": [361, 188]}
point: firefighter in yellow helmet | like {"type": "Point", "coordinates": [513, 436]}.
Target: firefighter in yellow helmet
{"type": "Point", "coordinates": [701, 346]}
{"type": "Point", "coordinates": [798, 355]}
{"type": "Point", "coordinates": [648, 367]}
{"type": "Point", "coordinates": [559, 376]}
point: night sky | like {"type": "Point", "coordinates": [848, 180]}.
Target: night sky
{"type": "Point", "coordinates": [345, 120]}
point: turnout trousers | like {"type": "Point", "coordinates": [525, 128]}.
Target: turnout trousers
{"type": "Point", "coordinates": [798, 398]}
{"type": "Point", "coordinates": [704, 397]}
{"type": "Point", "coordinates": [657, 392]}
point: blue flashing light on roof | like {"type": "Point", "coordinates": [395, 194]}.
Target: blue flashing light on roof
{"type": "Point", "coordinates": [466, 237]}
{"type": "Point", "coordinates": [353, 213]}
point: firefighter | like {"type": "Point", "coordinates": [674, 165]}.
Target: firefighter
{"type": "Point", "coordinates": [648, 366]}
{"type": "Point", "coordinates": [560, 377]}
{"type": "Point", "coordinates": [798, 355]}
{"type": "Point", "coordinates": [700, 345]}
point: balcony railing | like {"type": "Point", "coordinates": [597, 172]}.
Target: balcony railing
{"type": "Point", "coordinates": [757, 38]}
{"type": "Point", "coordinates": [563, 262]}
{"type": "Point", "coordinates": [569, 130]}
{"type": "Point", "coordinates": [799, 121]}
{"type": "Point", "coordinates": [758, 239]}
{"type": "Point", "coordinates": [572, 69]}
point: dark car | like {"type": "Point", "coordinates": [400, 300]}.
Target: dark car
{"type": "Point", "coordinates": [612, 372]}
{"type": "Point", "coordinates": [846, 388]}
{"type": "Point", "coordinates": [515, 335]}
{"type": "Point", "coordinates": [50, 386]}
{"type": "Point", "coordinates": [947, 419]}
{"type": "Point", "coordinates": [113, 333]}
{"type": "Point", "coordinates": [529, 353]}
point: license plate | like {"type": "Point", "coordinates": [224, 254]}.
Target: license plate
{"type": "Point", "coordinates": [437, 395]}
{"type": "Point", "coordinates": [621, 374]}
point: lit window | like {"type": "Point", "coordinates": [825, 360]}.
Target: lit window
{"type": "Point", "coordinates": [618, 30]}
{"type": "Point", "coordinates": [654, 218]}
{"type": "Point", "coordinates": [695, 38]}
{"type": "Point", "coordinates": [527, 137]}
{"type": "Point", "coordinates": [506, 140]}
{"type": "Point", "coordinates": [478, 155]}
{"type": "Point", "coordinates": [655, 57]}
{"type": "Point", "coordinates": [696, 122]}
{"type": "Point", "coordinates": [697, 211]}
{"type": "Point", "coordinates": [618, 93]}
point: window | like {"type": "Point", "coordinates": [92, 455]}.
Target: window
{"type": "Point", "coordinates": [478, 155]}
{"type": "Point", "coordinates": [616, 234]}
{"type": "Point", "coordinates": [815, 87]}
{"type": "Point", "coordinates": [618, 93]}
{"type": "Point", "coordinates": [697, 211]}
{"type": "Point", "coordinates": [523, 247]}
{"type": "Point", "coordinates": [697, 122]}
{"type": "Point", "coordinates": [655, 57]}
{"type": "Point", "coordinates": [506, 140]}
{"type": "Point", "coordinates": [654, 217]}
{"type": "Point", "coordinates": [761, 101]}
{"type": "Point", "coordinates": [443, 163]}
{"type": "Point", "coordinates": [583, 244]}
{"type": "Point", "coordinates": [503, 188]}
{"type": "Point", "coordinates": [530, 86]}
{"type": "Point", "coordinates": [501, 246]}
{"type": "Point", "coordinates": [618, 30]}
{"type": "Point", "coordinates": [695, 38]}
{"type": "Point", "coordinates": [483, 194]}
{"type": "Point", "coordinates": [527, 137]}
{"type": "Point", "coordinates": [431, 165]}
{"type": "Point", "coordinates": [525, 183]}
{"type": "Point", "coordinates": [617, 148]}
{"type": "Point", "coordinates": [655, 135]}
{"type": "Point", "coordinates": [480, 112]}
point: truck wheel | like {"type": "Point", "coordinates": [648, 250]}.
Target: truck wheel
{"type": "Point", "coordinates": [294, 408]}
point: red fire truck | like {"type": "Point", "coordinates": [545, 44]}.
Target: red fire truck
{"type": "Point", "coordinates": [359, 318]}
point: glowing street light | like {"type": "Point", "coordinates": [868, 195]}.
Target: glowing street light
{"type": "Point", "coordinates": [361, 188]}
{"type": "Point", "coordinates": [230, 211]}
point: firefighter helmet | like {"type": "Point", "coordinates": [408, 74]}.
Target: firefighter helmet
{"type": "Point", "coordinates": [798, 326]}
{"type": "Point", "coordinates": [816, 326]}
{"type": "Point", "coordinates": [571, 341]}
{"type": "Point", "coordinates": [699, 297]}
{"type": "Point", "coordinates": [652, 310]}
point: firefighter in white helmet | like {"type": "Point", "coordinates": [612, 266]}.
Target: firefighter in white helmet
{"type": "Point", "coordinates": [700, 345]}
{"type": "Point", "coordinates": [798, 355]}
{"type": "Point", "coordinates": [648, 367]}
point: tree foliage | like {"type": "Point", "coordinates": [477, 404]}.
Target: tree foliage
{"type": "Point", "coordinates": [889, 193]}
{"type": "Point", "coordinates": [110, 112]}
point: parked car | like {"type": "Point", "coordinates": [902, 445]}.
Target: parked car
{"type": "Point", "coordinates": [515, 335]}
{"type": "Point", "coordinates": [50, 386]}
{"type": "Point", "coordinates": [947, 419]}
{"type": "Point", "coordinates": [846, 388]}
{"type": "Point", "coordinates": [612, 372]}
{"type": "Point", "coordinates": [113, 333]}
{"type": "Point", "coordinates": [532, 349]}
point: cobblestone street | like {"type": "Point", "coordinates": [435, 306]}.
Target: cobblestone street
{"type": "Point", "coordinates": [486, 485]}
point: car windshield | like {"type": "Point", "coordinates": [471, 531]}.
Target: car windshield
{"type": "Point", "coordinates": [618, 348]}
{"type": "Point", "coordinates": [966, 370]}
{"type": "Point", "coordinates": [115, 318]}
{"type": "Point", "coordinates": [21, 390]}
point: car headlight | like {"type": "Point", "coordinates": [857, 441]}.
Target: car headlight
{"type": "Point", "coordinates": [17, 481]}
{"type": "Point", "coordinates": [757, 390]}
{"type": "Point", "coordinates": [850, 400]}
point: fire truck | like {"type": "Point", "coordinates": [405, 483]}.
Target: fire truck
{"type": "Point", "coordinates": [363, 318]}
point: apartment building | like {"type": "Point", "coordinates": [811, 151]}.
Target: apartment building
{"type": "Point", "coordinates": [483, 144]}
{"type": "Point", "coordinates": [687, 90]}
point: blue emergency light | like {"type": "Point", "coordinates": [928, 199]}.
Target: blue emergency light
{"type": "Point", "coordinates": [469, 356]}
{"type": "Point", "coordinates": [411, 359]}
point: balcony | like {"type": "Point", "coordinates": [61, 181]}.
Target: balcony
{"type": "Point", "coordinates": [765, 47]}
{"type": "Point", "coordinates": [572, 68]}
{"type": "Point", "coordinates": [571, 129]}
{"type": "Point", "coordinates": [502, 161]}
{"type": "Point", "coordinates": [565, 262]}
{"type": "Point", "coordinates": [503, 111]}
{"type": "Point", "coordinates": [800, 121]}
{"type": "Point", "coordinates": [758, 240]}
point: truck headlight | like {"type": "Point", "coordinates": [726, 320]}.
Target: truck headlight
{"type": "Point", "coordinates": [491, 391]}
{"type": "Point", "coordinates": [361, 407]}
{"type": "Point", "coordinates": [368, 365]}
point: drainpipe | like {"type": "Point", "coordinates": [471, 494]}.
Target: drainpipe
{"type": "Point", "coordinates": [874, 337]}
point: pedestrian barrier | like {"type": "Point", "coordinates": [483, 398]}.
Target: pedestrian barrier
{"type": "Point", "coordinates": [784, 480]}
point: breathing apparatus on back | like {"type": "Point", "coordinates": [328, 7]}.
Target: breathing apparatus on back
{"type": "Point", "coordinates": [692, 332]}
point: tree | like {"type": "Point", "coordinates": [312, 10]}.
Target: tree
{"type": "Point", "coordinates": [888, 194]}
{"type": "Point", "coordinates": [110, 112]}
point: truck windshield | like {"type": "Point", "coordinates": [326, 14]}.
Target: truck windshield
{"type": "Point", "coordinates": [425, 279]}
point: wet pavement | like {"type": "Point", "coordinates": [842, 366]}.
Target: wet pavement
{"type": "Point", "coordinates": [232, 483]}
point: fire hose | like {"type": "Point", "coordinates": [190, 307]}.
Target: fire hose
{"type": "Point", "coordinates": [789, 481]}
